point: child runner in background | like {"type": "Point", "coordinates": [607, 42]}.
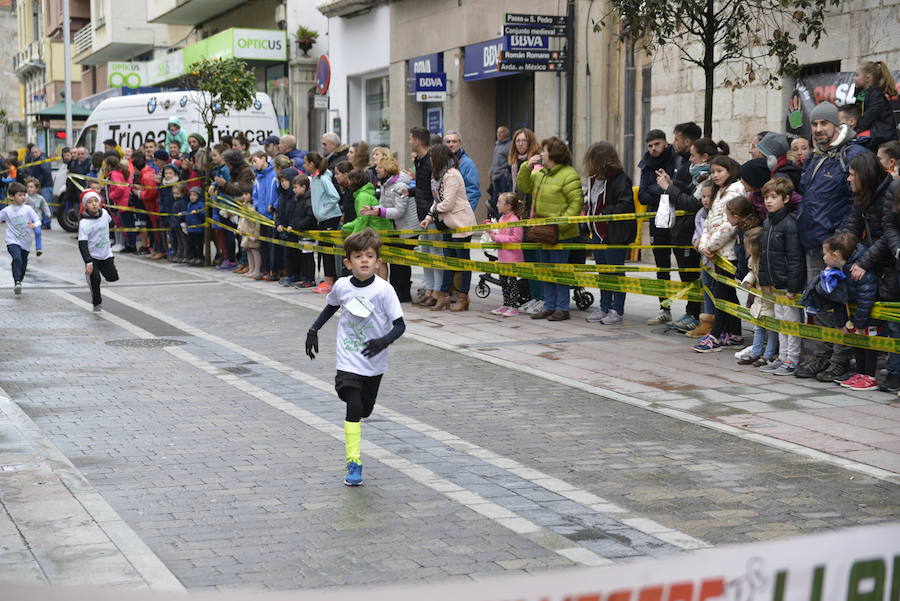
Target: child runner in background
{"type": "Point", "coordinates": [19, 218]}
{"type": "Point", "coordinates": [828, 296]}
{"type": "Point", "coordinates": [303, 220]}
{"type": "Point", "coordinates": [782, 268]}
{"type": "Point", "coordinates": [249, 231]}
{"type": "Point", "coordinates": [195, 218]}
{"type": "Point", "coordinates": [37, 202]}
{"type": "Point", "coordinates": [177, 236]}
{"type": "Point", "coordinates": [372, 319]}
{"type": "Point", "coordinates": [706, 190]}
{"type": "Point", "coordinates": [93, 242]}
{"type": "Point", "coordinates": [765, 342]}
{"type": "Point", "coordinates": [511, 209]}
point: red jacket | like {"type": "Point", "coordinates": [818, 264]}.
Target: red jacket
{"type": "Point", "coordinates": [150, 193]}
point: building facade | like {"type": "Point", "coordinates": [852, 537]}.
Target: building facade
{"type": "Point", "coordinates": [856, 31]}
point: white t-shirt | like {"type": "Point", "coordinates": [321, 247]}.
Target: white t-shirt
{"type": "Point", "coordinates": [96, 232]}
{"type": "Point", "coordinates": [17, 218]}
{"type": "Point", "coordinates": [366, 313]}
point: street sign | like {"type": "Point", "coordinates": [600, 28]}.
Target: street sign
{"type": "Point", "coordinates": [519, 19]}
{"type": "Point", "coordinates": [320, 102]}
{"type": "Point", "coordinates": [511, 56]}
{"type": "Point", "coordinates": [431, 82]}
{"type": "Point", "coordinates": [527, 42]}
{"type": "Point", "coordinates": [323, 75]}
{"type": "Point", "coordinates": [552, 31]}
{"type": "Point", "coordinates": [542, 66]}
{"type": "Point", "coordinates": [431, 96]}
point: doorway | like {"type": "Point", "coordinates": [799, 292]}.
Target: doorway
{"type": "Point", "coordinates": [515, 101]}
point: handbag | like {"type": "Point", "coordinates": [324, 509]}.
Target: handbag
{"type": "Point", "coordinates": [665, 216]}
{"type": "Point", "coordinates": [543, 234]}
{"type": "Point", "coordinates": [439, 223]}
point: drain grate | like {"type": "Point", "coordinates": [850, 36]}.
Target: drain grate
{"type": "Point", "coordinates": [145, 342]}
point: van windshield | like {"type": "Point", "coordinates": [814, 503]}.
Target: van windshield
{"type": "Point", "coordinates": [88, 138]}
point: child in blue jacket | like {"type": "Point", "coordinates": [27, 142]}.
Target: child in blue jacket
{"type": "Point", "coordinates": [194, 220]}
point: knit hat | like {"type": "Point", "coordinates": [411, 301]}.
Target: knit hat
{"type": "Point", "coordinates": [199, 138]}
{"type": "Point", "coordinates": [826, 112]}
{"type": "Point", "coordinates": [755, 172]}
{"type": "Point", "coordinates": [773, 145]}
{"type": "Point", "coordinates": [196, 190]}
{"type": "Point", "coordinates": [162, 155]}
{"type": "Point", "coordinates": [88, 193]}
{"type": "Point", "coordinates": [271, 140]}
{"type": "Point", "coordinates": [290, 173]}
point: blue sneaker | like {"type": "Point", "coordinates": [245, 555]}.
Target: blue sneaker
{"type": "Point", "coordinates": [287, 281]}
{"type": "Point", "coordinates": [354, 474]}
{"type": "Point", "coordinates": [707, 344]}
{"type": "Point", "coordinates": [685, 324]}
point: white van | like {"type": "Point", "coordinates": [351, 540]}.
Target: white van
{"type": "Point", "coordinates": [132, 120]}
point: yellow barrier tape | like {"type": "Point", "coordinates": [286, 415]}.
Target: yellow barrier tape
{"type": "Point", "coordinates": [33, 163]}
{"type": "Point", "coordinates": [109, 182]}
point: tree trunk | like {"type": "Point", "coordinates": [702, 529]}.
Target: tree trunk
{"type": "Point", "coordinates": [708, 72]}
{"type": "Point", "coordinates": [709, 66]}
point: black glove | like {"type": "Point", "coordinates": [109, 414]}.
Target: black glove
{"type": "Point", "coordinates": [312, 343]}
{"type": "Point", "coordinates": [373, 347]}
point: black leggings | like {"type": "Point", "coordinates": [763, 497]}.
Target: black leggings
{"type": "Point", "coordinates": [725, 322]}
{"type": "Point", "coordinates": [329, 262]}
{"type": "Point", "coordinates": [866, 361]}
{"type": "Point", "coordinates": [686, 258]}
{"type": "Point", "coordinates": [358, 392]}
{"type": "Point", "coordinates": [107, 267]}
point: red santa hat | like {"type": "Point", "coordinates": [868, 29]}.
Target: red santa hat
{"type": "Point", "coordinates": [88, 193]}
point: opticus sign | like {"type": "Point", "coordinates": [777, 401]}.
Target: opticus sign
{"type": "Point", "coordinates": [260, 44]}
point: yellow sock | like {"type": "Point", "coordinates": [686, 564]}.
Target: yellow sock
{"type": "Point", "coordinates": [352, 437]}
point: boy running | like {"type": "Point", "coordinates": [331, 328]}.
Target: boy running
{"type": "Point", "coordinates": [19, 218]}
{"type": "Point", "coordinates": [93, 242]}
{"type": "Point", "coordinates": [371, 320]}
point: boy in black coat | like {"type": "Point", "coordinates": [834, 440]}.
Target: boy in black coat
{"type": "Point", "coordinates": [303, 220]}
{"type": "Point", "coordinates": [782, 266]}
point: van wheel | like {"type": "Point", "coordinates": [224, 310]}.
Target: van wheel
{"type": "Point", "coordinates": [68, 218]}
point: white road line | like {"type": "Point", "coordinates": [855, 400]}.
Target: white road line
{"type": "Point", "coordinates": [497, 513]}
{"type": "Point", "coordinates": [145, 562]}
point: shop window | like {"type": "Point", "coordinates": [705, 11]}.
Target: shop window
{"type": "Point", "coordinates": [378, 119]}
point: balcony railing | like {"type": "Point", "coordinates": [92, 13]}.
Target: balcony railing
{"type": "Point", "coordinates": [28, 59]}
{"type": "Point", "coordinates": [83, 39]}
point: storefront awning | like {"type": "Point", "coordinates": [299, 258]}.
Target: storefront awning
{"type": "Point", "coordinates": [58, 111]}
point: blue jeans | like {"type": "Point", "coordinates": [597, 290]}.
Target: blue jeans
{"type": "Point", "coordinates": [893, 363]}
{"type": "Point", "coordinates": [38, 239]}
{"type": "Point", "coordinates": [556, 296]}
{"type": "Point", "coordinates": [765, 343]}
{"type": "Point", "coordinates": [610, 256]}
{"type": "Point", "coordinates": [19, 261]}
{"type": "Point", "coordinates": [47, 193]}
{"type": "Point", "coordinates": [708, 306]}
{"type": "Point", "coordinates": [460, 253]}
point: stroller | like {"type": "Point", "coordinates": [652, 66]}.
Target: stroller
{"type": "Point", "coordinates": [583, 299]}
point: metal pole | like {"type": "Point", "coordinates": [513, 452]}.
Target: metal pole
{"type": "Point", "coordinates": [67, 62]}
{"type": "Point", "coordinates": [570, 71]}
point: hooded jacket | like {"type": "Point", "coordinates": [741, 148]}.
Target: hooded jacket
{"type": "Point", "coordinates": [264, 193]}
{"type": "Point", "coordinates": [287, 203]}
{"type": "Point", "coordinates": [825, 190]}
{"type": "Point", "coordinates": [180, 137]}
{"type": "Point", "coordinates": [469, 173]}
{"type": "Point", "coordinates": [617, 198]}
{"type": "Point", "coordinates": [718, 234]}
{"type": "Point", "coordinates": [876, 115]}
{"type": "Point", "coordinates": [877, 225]}
{"type": "Point", "coordinates": [782, 262]}
{"type": "Point", "coordinates": [326, 200]}
{"type": "Point", "coordinates": [863, 293]}
{"type": "Point", "coordinates": [365, 197]}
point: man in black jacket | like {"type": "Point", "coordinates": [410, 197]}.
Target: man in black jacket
{"type": "Point", "coordinates": [680, 189]}
{"type": "Point", "coordinates": [79, 164]}
{"type": "Point", "coordinates": [420, 145]}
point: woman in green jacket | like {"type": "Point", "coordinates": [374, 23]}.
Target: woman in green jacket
{"type": "Point", "coordinates": [556, 192]}
{"type": "Point", "coordinates": [364, 196]}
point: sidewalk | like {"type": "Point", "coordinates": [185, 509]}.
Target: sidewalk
{"type": "Point", "coordinates": [54, 528]}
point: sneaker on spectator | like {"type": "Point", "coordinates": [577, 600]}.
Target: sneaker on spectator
{"type": "Point", "coordinates": [500, 310]}
{"type": "Point", "coordinates": [731, 340]}
{"type": "Point", "coordinates": [323, 288]}
{"type": "Point", "coordinates": [743, 353]}
{"type": "Point", "coordinates": [707, 344]}
{"type": "Point", "coordinates": [612, 319]}
{"type": "Point", "coordinates": [537, 307]}
{"type": "Point", "coordinates": [771, 366]}
{"type": "Point", "coordinates": [810, 367]}
{"type": "Point", "coordinates": [510, 312]}
{"type": "Point", "coordinates": [861, 382]}
{"type": "Point", "coordinates": [845, 382]}
{"type": "Point", "coordinates": [663, 316]}
{"type": "Point", "coordinates": [596, 316]}
{"type": "Point", "coordinates": [761, 362]}
{"type": "Point", "coordinates": [835, 373]}
{"type": "Point", "coordinates": [891, 383]}
{"type": "Point", "coordinates": [685, 323]}
{"type": "Point", "coordinates": [787, 368]}
{"type": "Point", "coordinates": [748, 359]}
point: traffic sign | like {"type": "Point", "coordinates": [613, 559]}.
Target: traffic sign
{"type": "Point", "coordinates": [509, 56]}
{"type": "Point", "coordinates": [520, 19]}
{"type": "Point", "coordinates": [542, 66]}
{"type": "Point", "coordinates": [323, 75]}
{"type": "Point", "coordinates": [552, 30]}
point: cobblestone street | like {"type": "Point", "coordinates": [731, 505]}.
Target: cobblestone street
{"type": "Point", "coordinates": [183, 439]}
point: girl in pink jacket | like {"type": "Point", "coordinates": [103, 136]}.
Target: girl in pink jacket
{"type": "Point", "coordinates": [511, 209]}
